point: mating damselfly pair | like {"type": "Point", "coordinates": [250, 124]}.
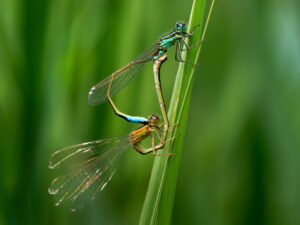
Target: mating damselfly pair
{"type": "Point", "coordinates": [89, 166]}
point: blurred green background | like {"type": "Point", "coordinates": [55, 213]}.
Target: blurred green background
{"type": "Point", "coordinates": [241, 161]}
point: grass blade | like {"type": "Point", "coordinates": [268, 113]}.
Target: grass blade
{"type": "Point", "coordinates": [159, 200]}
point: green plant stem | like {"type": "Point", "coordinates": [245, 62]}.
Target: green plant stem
{"type": "Point", "coordinates": [159, 199]}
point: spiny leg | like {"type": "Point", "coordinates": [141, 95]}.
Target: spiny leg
{"type": "Point", "coordinates": [189, 47]}
{"type": "Point", "coordinates": [137, 146]}
{"type": "Point", "coordinates": [154, 150]}
{"type": "Point", "coordinates": [178, 51]}
{"type": "Point", "coordinates": [140, 149]}
{"type": "Point", "coordinates": [157, 135]}
{"type": "Point", "coordinates": [153, 144]}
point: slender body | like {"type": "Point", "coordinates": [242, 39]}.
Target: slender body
{"type": "Point", "coordinates": [156, 71]}
{"type": "Point", "coordinates": [89, 166]}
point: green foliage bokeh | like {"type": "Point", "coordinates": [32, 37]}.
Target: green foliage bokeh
{"type": "Point", "coordinates": [240, 162]}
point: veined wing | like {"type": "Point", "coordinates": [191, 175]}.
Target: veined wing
{"type": "Point", "coordinates": [122, 77]}
{"type": "Point", "coordinates": [89, 166]}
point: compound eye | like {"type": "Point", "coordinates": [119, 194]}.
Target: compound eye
{"type": "Point", "coordinates": [180, 27]}
{"type": "Point", "coordinates": [154, 118]}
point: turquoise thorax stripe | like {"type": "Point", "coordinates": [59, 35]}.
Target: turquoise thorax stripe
{"type": "Point", "coordinates": [166, 43]}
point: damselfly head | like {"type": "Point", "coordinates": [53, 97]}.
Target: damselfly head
{"type": "Point", "coordinates": [181, 27]}
{"type": "Point", "coordinates": [154, 119]}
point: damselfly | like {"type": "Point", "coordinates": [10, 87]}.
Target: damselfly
{"type": "Point", "coordinates": [125, 74]}
{"type": "Point", "coordinates": [89, 166]}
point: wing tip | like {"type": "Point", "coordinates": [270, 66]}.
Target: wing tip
{"type": "Point", "coordinates": [91, 97]}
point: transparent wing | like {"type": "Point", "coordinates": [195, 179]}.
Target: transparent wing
{"type": "Point", "coordinates": [122, 77]}
{"type": "Point", "coordinates": [89, 166]}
